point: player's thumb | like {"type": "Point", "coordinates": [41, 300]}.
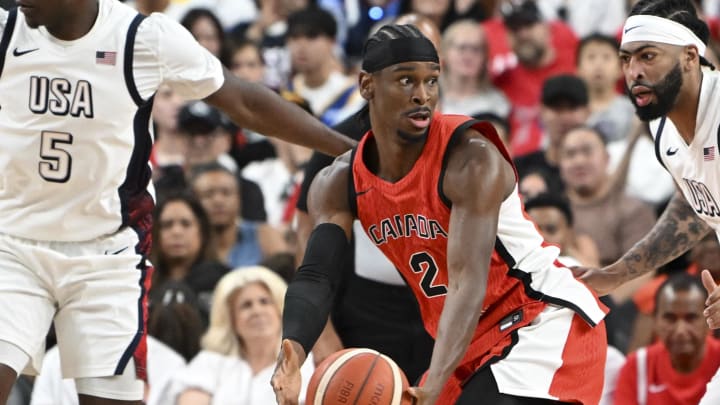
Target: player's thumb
{"type": "Point", "coordinates": [708, 281]}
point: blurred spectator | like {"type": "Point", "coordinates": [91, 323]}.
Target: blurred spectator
{"type": "Point", "coordinates": [239, 242]}
{"type": "Point", "coordinates": [704, 255]}
{"type": "Point", "coordinates": [170, 147]}
{"type": "Point", "coordinates": [440, 12]}
{"type": "Point", "coordinates": [269, 31]}
{"type": "Point", "coordinates": [204, 25]}
{"type": "Point", "coordinates": [283, 264]}
{"type": "Point", "coordinates": [426, 26]}
{"type": "Point", "coordinates": [536, 182]}
{"type": "Point", "coordinates": [318, 78]}
{"type": "Point", "coordinates": [674, 370]}
{"type": "Point", "coordinates": [613, 114]}
{"type": "Point", "coordinates": [599, 65]}
{"type": "Point", "coordinates": [279, 176]}
{"type": "Point", "coordinates": [564, 106]}
{"type": "Point", "coordinates": [183, 250]}
{"type": "Point", "coordinates": [587, 16]}
{"type": "Point", "coordinates": [51, 389]}
{"type": "Point", "coordinates": [246, 61]}
{"type": "Point", "coordinates": [553, 217]}
{"type": "Point", "coordinates": [614, 220]}
{"type": "Point", "coordinates": [524, 51]}
{"type": "Point", "coordinates": [241, 345]}
{"type": "Point", "coordinates": [209, 141]}
{"type": "Point", "coordinates": [466, 86]}
{"type": "Point", "coordinates": [230, 12]}
{"type": "Point", "coordinates": [175, 319]}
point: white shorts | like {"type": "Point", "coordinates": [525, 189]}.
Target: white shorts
{"type": "Point", "coordinates": [94, 292]}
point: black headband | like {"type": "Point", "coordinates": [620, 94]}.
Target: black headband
{"type": "Point", "coordinates": [393, 51]}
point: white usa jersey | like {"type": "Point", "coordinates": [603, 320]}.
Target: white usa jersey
{"type": "Point", "coordinates": [75, 120]}
{"type": "Point", "coordinates": [695, 167]}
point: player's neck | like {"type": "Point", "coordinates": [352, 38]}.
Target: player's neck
{"type": "Point", "coordinates": [76, 23]}
{"type": "Point", "coordinates": [393, 158]}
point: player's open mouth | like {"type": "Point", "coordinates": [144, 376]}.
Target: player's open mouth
{"type": "Point", "coordinates": [642, 95]}
{"type": "Point", "coordinates": [420, 119]}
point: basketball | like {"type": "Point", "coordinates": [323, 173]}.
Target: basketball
{"type": "Point", "coordinates": [358, 376]}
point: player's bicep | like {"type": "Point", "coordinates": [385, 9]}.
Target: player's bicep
{"type": "Point", "coordinates": [477, 181]}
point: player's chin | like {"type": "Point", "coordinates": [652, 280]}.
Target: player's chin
{"type": "Point", "coordinates": [412, 136]}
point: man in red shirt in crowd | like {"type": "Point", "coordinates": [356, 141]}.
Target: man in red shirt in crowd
{"type": "Point", "coordinates": [524, 51]}
{"type": "Point", "coordinates": [675, 370]}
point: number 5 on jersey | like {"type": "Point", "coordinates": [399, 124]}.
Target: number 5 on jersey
{"type": "Point", "coordinates": [55, 161]}
{"type": "Point", "coordinates": [422, 262]}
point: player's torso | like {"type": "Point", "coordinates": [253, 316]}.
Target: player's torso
{"type": "Point", "coordinates": [69, 126]}
{"type": "Point", "coordinates": [696, 167]}
{"type": "Point", "coordinates": [409, 221]}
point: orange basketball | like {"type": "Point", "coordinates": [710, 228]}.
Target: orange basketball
{"type": "Point", "coordinates": [358, 376]}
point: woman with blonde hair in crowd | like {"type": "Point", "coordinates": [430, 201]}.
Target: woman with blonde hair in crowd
{"type": "Point", "coordinates": [241, 345]}
{"type": "Point", "coordinates": [465, 83]}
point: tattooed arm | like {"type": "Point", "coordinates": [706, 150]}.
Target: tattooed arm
{"type": "Point", "coordinates": [677, 230]}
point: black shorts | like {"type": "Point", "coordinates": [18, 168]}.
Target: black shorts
{"type": "Point", "coordinates": [385, 318]}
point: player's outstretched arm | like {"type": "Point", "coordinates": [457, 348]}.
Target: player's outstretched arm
{"type": "Point", "coordinates": [258, 108]}
{"type": "Point", "coordinates": [310, 295]}
{"type": "Point", "coordinates": [477, 180]}
{"type": "Point", "coordinates": [677, 230]}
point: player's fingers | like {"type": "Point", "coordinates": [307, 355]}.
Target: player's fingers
{"type": "Point", "coordinates": [709, 283]}
{"type": "Point", "coordinates": [712, 315]}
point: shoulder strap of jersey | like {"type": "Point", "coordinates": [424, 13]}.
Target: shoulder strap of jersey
{"type": "Point", "coordinates": [454, 137]}
{"type": "Point", "coordinates": [129, 56]}
{"type": "Point", "coordinates": [485, 128]}
{"type": "Point", "coordinates": [658, 152]}
{"type": "Point", "coordinates": [7, 34]}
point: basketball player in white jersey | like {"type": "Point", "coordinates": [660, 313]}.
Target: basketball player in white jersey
{"type": "Point", "coordinates": [77, 79]}
{"type": "Point", "coordinates": [662, 55]}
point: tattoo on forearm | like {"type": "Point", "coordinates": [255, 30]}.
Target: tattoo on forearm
{"type": "Point", "coordinates": [677, 230]}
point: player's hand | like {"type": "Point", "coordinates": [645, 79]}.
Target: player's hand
{"type": "Point", "coordinates": [422, 396]}
{"type": "Point", "coordinates": [603, 281]}
{"type": "Point", "coordinates": [712, 312]}
{"type": "Point", "coordinates": [286, 379]}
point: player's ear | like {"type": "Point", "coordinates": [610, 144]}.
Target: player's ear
{"type": "Point", "coordinates": [366, 85]}
{"type": "Point", "coordinates": [691, 57]}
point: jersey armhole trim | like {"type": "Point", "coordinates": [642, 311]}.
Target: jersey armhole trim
{"type": "Point", "coordinates": [451, 142]}
{"type": "Point", "coordinates": [7, 34]}
{"type": "Point", "coordinates": [128, 60]}
{"type": "Point", "coordinates": [352, 193]}
{"type": "Point", "coordinates": [658, 152]}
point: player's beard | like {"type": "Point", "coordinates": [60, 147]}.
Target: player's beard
{"type": "Point", "coordinates": [666, 93]}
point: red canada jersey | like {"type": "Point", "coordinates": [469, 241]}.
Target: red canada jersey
{"type": "Point", "coordinates": [409, 221]}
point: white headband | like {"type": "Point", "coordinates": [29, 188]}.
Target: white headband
{"type": "Point", "coordinates": [648, 28]}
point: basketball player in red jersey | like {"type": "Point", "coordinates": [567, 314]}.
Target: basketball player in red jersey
{"type": "Point", "coordinates": [438, 195]}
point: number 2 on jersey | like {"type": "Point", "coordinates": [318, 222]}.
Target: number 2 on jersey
{"type": "Point", "coordinates": [55, 161]}
{"type": "Point", "coordinates": [422, 262]}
